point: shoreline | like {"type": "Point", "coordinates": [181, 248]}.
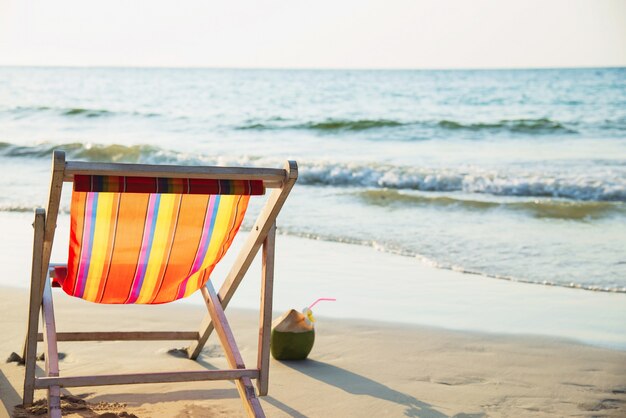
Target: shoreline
{"type": "Point", "coordinates": [456, 269]}
{"type": "Point", "coordinates": [375, 286]}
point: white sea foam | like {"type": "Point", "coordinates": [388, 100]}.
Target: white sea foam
{"type": "Point", "coordinates": [604, 183]}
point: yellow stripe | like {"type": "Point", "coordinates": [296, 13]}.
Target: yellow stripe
{"type": "Point", "coordinates": [160, 245]}
{"type": "Point", "coordinates": [222, 225]}
{"type": "Point", "coordinates": [100, 244]}
{"type": "Point", "coordinates": [192, 283]}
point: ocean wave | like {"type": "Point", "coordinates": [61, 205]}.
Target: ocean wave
{"type": "Point", "coordinates": [72, 112]}
{"type": "Point", "coordinates": [350, 125]}
{"type": "Point", "coordinates": [605, 185]}
{"type": "Point", "coordinates": [89, 113]}
{"type": "Point", "coordinates": [539, 208]}
{"type": "Point", "coordinates": [106, 153]}
{"type": "Point", "coordinates": [528, 126]}
{"type": "Point", "coordinates": [145, 154]}
{"type": "Point", "coordinates": [328, 125]}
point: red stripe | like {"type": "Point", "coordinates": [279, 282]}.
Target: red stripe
{"type": "Point", "coordinates": [119, 184]}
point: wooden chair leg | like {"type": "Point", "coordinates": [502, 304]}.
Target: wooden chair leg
{"type": "Point", "coordinates": [227, 340]}
{"type": "Point", "coordinates": [265, 221]}
{"type": "Point", "coordinates": [265, 320]}
{"type": "Point", "coordinates": [30, 345]}
{"type": "Point", "coordinates": [52, 354]}
{"type": "Point", "coordinates": [239, 269]}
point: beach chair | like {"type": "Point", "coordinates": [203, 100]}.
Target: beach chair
{"type": "Point", "coordinates": [151, 234]}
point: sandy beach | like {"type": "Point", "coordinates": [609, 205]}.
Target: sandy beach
{"type": "Point", "coordinates": [358, 367]}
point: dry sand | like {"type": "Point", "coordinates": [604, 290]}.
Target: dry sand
{"type": "Point", "coordinates": [356, 369]}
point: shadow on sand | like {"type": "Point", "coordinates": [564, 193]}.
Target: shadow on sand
{"type": "Point", "coordinates": [10, 397]}
{"type": "Point", "coordinates": [356, 384]}
{"type": "Point", "coordinates": [136, 399]}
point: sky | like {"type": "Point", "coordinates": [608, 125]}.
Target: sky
{"type": "Point", "coordinates": [314, 34]}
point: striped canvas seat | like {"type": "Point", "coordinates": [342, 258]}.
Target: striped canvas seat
{"type": "Point", "coordinates": [150, 240]}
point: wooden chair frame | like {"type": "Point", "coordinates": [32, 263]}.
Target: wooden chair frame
{"type": "Point", "coordinates": [262, 235]}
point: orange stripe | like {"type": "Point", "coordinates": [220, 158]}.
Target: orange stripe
{"type": "Point", "coordinates": [131, 218]}
{"type": "Point", "coordinates": [186, 241]}
{"type": "Point", "coordinates": [76, 237]}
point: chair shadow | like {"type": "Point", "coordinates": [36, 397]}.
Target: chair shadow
{"type": "Point", "coordinates": [135, 399]}
{"type": "Point", "coordinates": [356, 384]}
{"type": "Point", "coordinates": [283, 407]}
{"type": "Point", "coordinates": [272, 401]}
{"type": "Point", "coordinates": [9, 396]}
{"type": "Point", "coordinates": [188, 395]}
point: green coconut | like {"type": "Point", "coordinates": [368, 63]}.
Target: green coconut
{"type": "Point", "coordinates": [292, 337]}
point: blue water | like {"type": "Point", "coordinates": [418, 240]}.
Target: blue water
{"type": "Point", "coordinates": [516, 174]}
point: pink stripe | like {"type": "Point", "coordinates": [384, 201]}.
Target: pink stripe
{"type": "Point", "coordinates": [202, 247]}
{"type": "Point", "coordinates": [205, 237]}
{"type": "Point", "coordinates": [145, 251]}
{"type": "Point", "coordinates": [85, 247]}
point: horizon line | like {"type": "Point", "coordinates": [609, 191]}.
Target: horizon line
{"type": "Point", "coordinates": [113, 66]}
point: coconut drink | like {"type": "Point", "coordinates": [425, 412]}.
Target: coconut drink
{"type": "Point", "coordinates": [293, 334]}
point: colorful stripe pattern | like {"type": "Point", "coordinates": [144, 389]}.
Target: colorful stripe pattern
{"type": "Point", "coordinates": [147, 248]}
{"type": "Point", "coordinates": [123, 184]}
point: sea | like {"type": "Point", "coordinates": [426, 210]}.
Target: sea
{"type": "Point", "coordinates": [509, 174]}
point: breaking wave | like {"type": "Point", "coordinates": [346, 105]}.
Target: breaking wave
{"type": "Point", "coordinates": [107, 153]}
{"type": "Point", "coordinates": [605, 185]}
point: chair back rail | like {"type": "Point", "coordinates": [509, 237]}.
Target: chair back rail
{"type": "Point", "coordinates": [272, 177]}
